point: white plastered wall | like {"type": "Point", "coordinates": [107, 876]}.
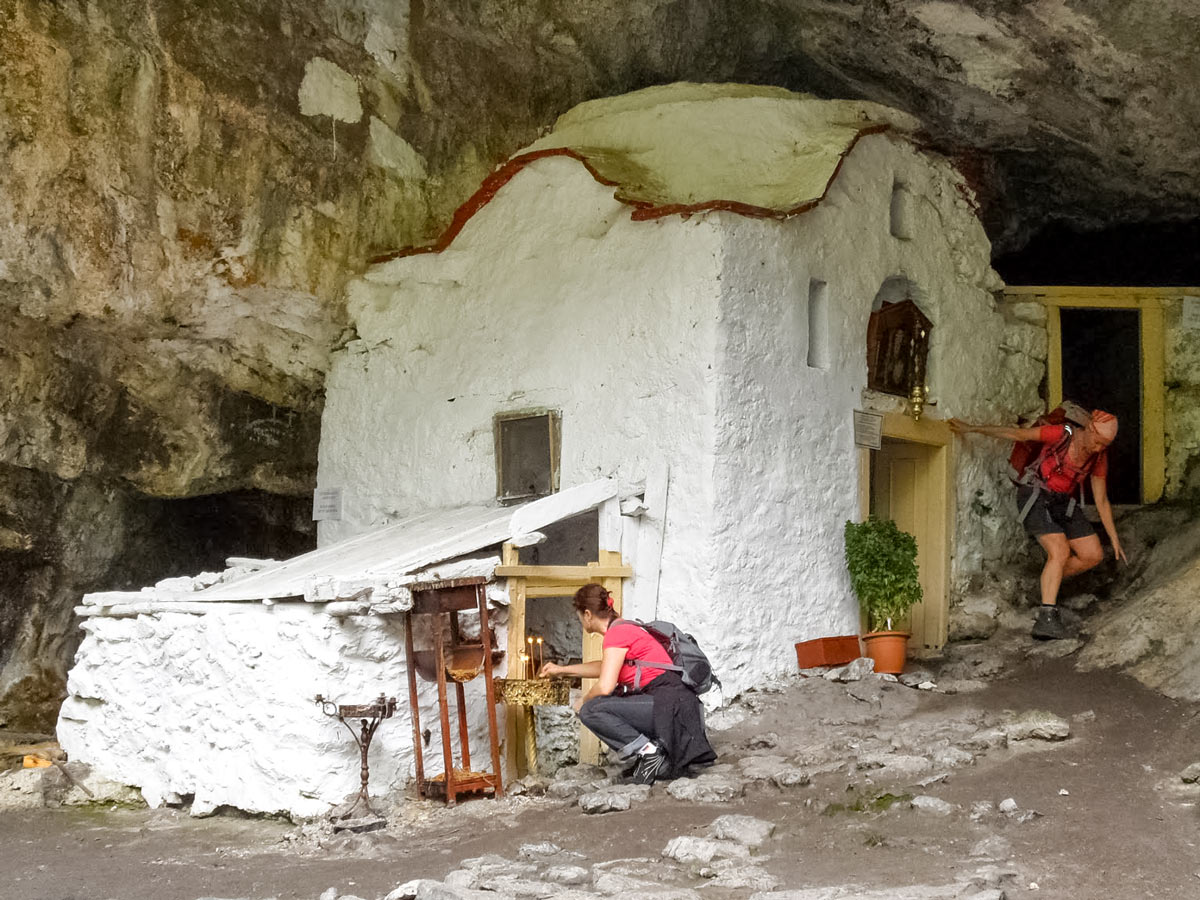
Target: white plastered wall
{"type": "Point", "coordinates": [550, 297]}
{"type": "Point", "coordinates": [786, 477]}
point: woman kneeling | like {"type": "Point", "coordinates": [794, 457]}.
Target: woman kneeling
{"type": "Point", "coordinates": [639, 706]}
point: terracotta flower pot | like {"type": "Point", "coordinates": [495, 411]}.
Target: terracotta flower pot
{"type": "Point", "coordinates": [828, 651]}
{"type": "Point", "coordinates": [889, 649]}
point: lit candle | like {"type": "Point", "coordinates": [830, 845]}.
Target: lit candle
{"type": "Point", "coordinates": [524, 665]}
{"type": "Point", "coordinates": [533, 671]}
{"type": "Point", "coordinates": [541, 654]}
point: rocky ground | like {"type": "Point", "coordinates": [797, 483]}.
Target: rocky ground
{"type": "Point", "coordinates": [996, 771]}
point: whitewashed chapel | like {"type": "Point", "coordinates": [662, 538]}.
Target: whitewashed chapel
{"type": "Point", "coordinates": [657, 314]}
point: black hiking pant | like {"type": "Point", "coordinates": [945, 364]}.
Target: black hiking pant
{"type": "Point", "coordinates": [626, 724]}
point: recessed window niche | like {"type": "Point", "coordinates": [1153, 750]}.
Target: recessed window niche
{"type": "Point", "coordinates": [900, 217]}
{"type": "Point", "coordinates": [818, 324]}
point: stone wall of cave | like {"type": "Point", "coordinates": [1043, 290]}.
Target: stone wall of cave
{"type": "Point", "coordinates": [111, 538]}
{"type": "Point", "coordinates": [186, 187]}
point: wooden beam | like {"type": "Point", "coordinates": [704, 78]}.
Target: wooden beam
{"type": "Point", "coordinates": [1154, 397]}
{"type": "Point", "coordinates": [519, 745]}
{"type": "Point", "coordinates": [651, 530]}
{"type": "Point", "coordinates": [925, 431]}
{"type": "Point", "coordinates": [1089, 295]}
{"type": "Point", "coordinates": [585, 574]}
{"type": "Point", "coordinates": [610, 523]}
{"type": "Point", "coordinates": [1054, 356]}
{"type": "Point", "coordinates": [555, 589]}
{"type": "Point", "coordinates": [159, 607]}
{"type": "Point", "coordinates": [864, 483]}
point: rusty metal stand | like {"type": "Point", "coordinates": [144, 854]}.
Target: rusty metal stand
{"type": "Point", "coordinates": [463, 661]}
{"type": "Point", "coordinates": [370, 715]}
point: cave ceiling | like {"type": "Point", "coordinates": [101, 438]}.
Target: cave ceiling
{"type": "Point", "coordinates": [176, 227]}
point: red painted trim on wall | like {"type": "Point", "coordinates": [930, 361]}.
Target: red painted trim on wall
{"type": "Point", "coordinates": [642, 210]}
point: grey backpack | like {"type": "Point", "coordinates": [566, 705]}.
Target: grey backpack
{"type": "Point", "coordinates": [687, 657]}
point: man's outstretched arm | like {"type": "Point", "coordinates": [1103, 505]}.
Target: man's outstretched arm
{"type": "Point", "coordinates": [1104, 508]}
{"type": "Point", "coordinates": [958, 426]}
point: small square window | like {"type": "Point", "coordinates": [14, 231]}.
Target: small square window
{"type": "Point", "coordinates": [527, 452]}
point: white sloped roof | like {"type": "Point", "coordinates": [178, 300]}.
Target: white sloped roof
{"type": "Point", "coordinates": [383, 559]}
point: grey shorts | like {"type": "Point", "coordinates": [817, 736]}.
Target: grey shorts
{"type": "Point", "coordinates": [1048, 515]}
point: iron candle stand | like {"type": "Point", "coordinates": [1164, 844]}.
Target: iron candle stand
{"type": "Point", "coordinates": [370, 715]}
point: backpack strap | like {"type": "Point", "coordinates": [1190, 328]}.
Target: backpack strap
{"type": "Point", "coordinates": [640, 664]}
{"type": "Point", "coordinates": [1033, 472]}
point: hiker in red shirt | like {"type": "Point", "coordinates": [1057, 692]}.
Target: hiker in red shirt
{"type": "Point", "coordinates": [642, 712]}
{"type": "Point", "coordinates": [1050, 512]}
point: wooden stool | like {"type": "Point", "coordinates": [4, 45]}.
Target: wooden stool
{"type": "Point", "coordinates": [458, 663]}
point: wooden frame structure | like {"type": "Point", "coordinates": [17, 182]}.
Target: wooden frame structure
{"type": "Point", "coordinates": [1150, 303]}
{"type": "Point", "coordinates": [929, 620]}
{"type": "Point", "coordinates": [554, 436]}
{"type": "Point", "coordinates": [532, 582]}
{"type": "Point", "coordinates": [443, 600]}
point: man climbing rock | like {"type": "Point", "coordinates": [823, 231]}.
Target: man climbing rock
{"type": "Point", "coordinates": [1049, 507]}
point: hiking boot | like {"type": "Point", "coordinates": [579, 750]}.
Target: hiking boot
{"type": "Point", "coordinates": [650, 767]}
{"type": "Point", "coordinates": [1049, 626]}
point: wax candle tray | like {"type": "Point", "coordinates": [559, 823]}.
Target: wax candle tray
{"type": "Point", "coordinates": [533, 691]}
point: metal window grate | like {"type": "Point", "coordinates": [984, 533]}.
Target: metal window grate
{"type": "Point", "coordinates": [527, 454]}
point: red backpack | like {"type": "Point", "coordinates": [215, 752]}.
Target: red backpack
{"type": "Point", "coordinates": [1027, 457]}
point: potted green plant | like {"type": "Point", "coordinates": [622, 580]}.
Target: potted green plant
{"type": "Point", "coordinates": [882, 561]}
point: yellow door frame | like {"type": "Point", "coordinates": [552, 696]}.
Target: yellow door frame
{"type": "Point", "coordinates": [1149, 303]}
{"type": "Point", "coordinates": [935, 566]}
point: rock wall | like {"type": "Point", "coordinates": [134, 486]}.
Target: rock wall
{"type": "Point", "coordinates": [1182, 412]}
{"type": "Point", "coordinates": [1148, 618]}
{"type": "Point", "coordinates": [175, 229]}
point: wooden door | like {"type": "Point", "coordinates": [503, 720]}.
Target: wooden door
{"type": "Point", "coordinates": [908, 489]}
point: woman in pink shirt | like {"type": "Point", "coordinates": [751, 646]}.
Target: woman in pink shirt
{"type": "Point", "coordinates": [624, 705]}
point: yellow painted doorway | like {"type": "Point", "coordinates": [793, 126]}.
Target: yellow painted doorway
{"type": "Point", "coordinates": [909, 483]}
{"type": "Point", "coordinates": [1149, 304]}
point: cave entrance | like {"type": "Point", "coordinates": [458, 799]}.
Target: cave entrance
{"type": "Point", "coordinates": [1105, 349]}
{"type": "Point", "coordinates": [173, 537]}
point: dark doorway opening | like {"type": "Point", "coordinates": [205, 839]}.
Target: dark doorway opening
{"type": "Point", "coordinates": [1102, 368]}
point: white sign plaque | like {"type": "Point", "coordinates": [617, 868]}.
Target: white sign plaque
{"type": "Point", "coordinates": [1191, 313]}
{"type": "Point", "coordinates": [868, 429]}
{"type": "Point", "coordinates": [327, 504]}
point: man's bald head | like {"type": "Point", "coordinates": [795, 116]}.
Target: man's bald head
{"type": "Point", "coordinates": [1104, 424]}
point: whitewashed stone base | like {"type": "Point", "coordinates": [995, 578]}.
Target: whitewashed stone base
{"type": "Point", "coordinates": [220, 706]}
